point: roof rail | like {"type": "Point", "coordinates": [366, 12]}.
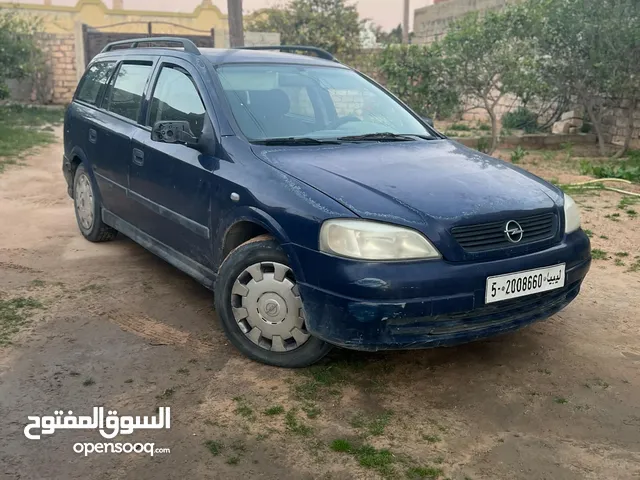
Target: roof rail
{"type": "Point", "coordinates": [187, 44]}
{"type": "Point", "coordinates": [295, 48]}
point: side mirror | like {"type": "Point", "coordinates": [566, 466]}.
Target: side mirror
{"type": "Point", "coordinates": [427, 120]}
{"type": "Point", "coordinates": [174, 132]}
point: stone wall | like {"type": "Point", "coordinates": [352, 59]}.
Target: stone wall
{"type": "Point", "coordinates": [431, 22]}
{"type": "Point", "coordinates": [616, 123]}
{"type": "Point", "coordinates": [64, 75]}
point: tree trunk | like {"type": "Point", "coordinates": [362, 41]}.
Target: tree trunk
{"type": "Point", "coordinates": [236, 29]}
{"type": "Point", "coordinates": [494, 130]}
{"type": "Point", "coordinates": [597, 125]}
{"type": "Point", "coordinates": [627, 139]}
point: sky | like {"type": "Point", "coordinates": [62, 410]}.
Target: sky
{"type": "Point", "coordinates": [387, 13]}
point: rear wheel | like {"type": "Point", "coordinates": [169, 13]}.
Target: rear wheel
{"type": "Point", "coordinates": [259, 305]}
{"type": "Point", "coordinates": [88, 209]}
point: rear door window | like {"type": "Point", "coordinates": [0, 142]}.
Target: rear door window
{"type": "Point", "coordinates": [126, 93]}
{"type": "Point", "coordinates": [94, 82]}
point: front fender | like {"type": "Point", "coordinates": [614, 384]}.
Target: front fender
{"type": "Point", "coordinates": [247, 213]}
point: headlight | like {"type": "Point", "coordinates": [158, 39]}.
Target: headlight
{"type": "Point", "coordinates": [571, 215]}
{"type": "Point", "coordinates": [367, 240]}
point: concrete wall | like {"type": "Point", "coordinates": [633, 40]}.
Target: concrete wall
{"type": "Point", "coordinates": [431, 22]}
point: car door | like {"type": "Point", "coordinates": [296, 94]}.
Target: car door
{"type": "Point", "coordinates": [87, 132]}
{"type": "Point", "coordinates": [170, 182]}
{"type": "Point", "coordinates": [117, 121]}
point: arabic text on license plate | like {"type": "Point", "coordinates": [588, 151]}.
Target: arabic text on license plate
{"type": "Point", "coordinates": [519, 284]}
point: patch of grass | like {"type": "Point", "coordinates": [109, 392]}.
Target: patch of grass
{"type": "Point", "coordinates": [372, 425]}
{"type": "Point", "coordinates": [622, 254]}
{"type": "Point", "coordinates": [341, 445]}
{"type": "Point", "coordinates": [461, 127]}
{"type": "Point", "coordinates": [14, 314]}
{"type": "Point", "coordinates": [19, 130]}
{"type": "Point", "coordinates": [560, 400]}
{"type": "Point", "coordinates": [549, 156]}
{"type": "Point", "coordinates": [627, 202]}
{"type": "Point", "coordinates": [324, 378]}
{"type": "Point", "coordinates": [214, 447]}
{"type": "Point", "coordinates": [598, 254]}
{"type": "Point", "coordinates": [275, 410]}
{"type": "Point", "coordinates": [311, 410]}
{"type": "Point", "coordinates": [424, 472]}
{"type": "Point", "coordinates": [431, 438]}
{"type": "Point", "coordinates": [243, 409]}
{"type": "Point", "coordinates": [88, 382]}
{"type": "Point", "coordinates": [485, 127]}
{"type": "Point", "coordinates": [15, 140]}
{"type": "Point", "coordinates": [380, 460]}
{"type": "Point", "coordinates": [518, 155]}
{"type": "Point", "coordinates": [294, 425]}
{"type": "Point", "coordinates": [233, 460]}
{"type": "Point", "coordinates": [635, 267]}
{"type": "Point", "coordinates": [183, 371]}
{"type": "Point", "coordinates": [483, 144]}
{"type": "Point", "coordinates": [604, 237]}
{"type": "Point", "coordinates": [588, 232]}
{"type": "Point", "coordinates": [38, 283]}
{"type": "Point", "coordinates": [546, 371]}
{"type": "Point", "coordinates": [631, 212]}
{"type": "Point", "coordinates": [619, 263]}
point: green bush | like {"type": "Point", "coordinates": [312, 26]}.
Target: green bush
{"type": "Point", "coordinates": [625, 169]}
{"type": "Point", "coordinates": [521, 119]}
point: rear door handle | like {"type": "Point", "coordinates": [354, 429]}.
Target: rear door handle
{"type": "Point", "coordinates": [138, 157]}
{"type": "Point", "coordinates": [93, 135]}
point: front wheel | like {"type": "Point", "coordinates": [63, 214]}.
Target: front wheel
{"type": "Point", "coordinates": [259, 305]}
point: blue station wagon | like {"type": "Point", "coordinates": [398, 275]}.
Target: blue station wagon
{"type": "Point", "coordinates": [318, 208]}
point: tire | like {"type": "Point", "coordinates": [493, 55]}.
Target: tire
{"type": "Point", "coordinates": [256, 299]}
{"type": "Point", "coordinates": [88, 209]}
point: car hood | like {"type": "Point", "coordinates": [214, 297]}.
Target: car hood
{"type": "Point", "coordinates": [415, 183]}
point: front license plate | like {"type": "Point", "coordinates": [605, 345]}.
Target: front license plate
{"type": "Point", "coordinates": [520, 284]}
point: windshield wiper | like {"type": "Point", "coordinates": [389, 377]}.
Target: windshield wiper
{"type": "Point", "coordinates": [295, 141]}
{"type": "Point", "coordinates": [377, 137]}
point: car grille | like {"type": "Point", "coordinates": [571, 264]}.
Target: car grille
{"type": "Point", "coordinates": [490, 236]}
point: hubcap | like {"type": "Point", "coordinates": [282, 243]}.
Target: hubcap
{"type": "Point", "coordinates": [84, 201]}
{"type": "Point", "coordinates": [268, 308]}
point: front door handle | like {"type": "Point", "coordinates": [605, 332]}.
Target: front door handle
{"type": "Point", "coordinates": [138, 157]}
{"type": "Point", "coordinates": [93, 135]}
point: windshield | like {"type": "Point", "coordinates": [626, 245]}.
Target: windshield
{"type": "Point", "coordinates": [311, 102]}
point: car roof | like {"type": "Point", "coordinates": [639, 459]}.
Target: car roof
{"type": "Point", "coordinates": [225, 56]}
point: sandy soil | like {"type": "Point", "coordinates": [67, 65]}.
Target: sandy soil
{"type": "Point", "coordinates": [559, 400]}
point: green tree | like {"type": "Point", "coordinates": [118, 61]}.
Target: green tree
{"type": "Point", "coordinates": [416, 75]}
{"type": "Point", "coordinates": [330, 24]}
{"type": "Point", "coordinates": [590, 51]}
{"type": "Point", "coordinates": [20, 56]}
{"type": "Point", "coordinates": [486, 59]}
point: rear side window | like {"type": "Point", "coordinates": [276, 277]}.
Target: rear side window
{"type": "Point", "coordinates": [126, 93]}
{"type": "Point", "coordinates": [94, 82]}
{"type": "Point", "coordinates": [176, 98]}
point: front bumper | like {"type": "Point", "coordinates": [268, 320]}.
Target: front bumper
{"type": "Point", "coordinates": [381, 306]}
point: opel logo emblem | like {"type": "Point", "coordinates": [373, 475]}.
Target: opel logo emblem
{"type": "Point", "coordinates": [513, 231]}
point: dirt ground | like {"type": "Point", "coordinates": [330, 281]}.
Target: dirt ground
{"type": "Point", "coordinates": [118, 327]}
